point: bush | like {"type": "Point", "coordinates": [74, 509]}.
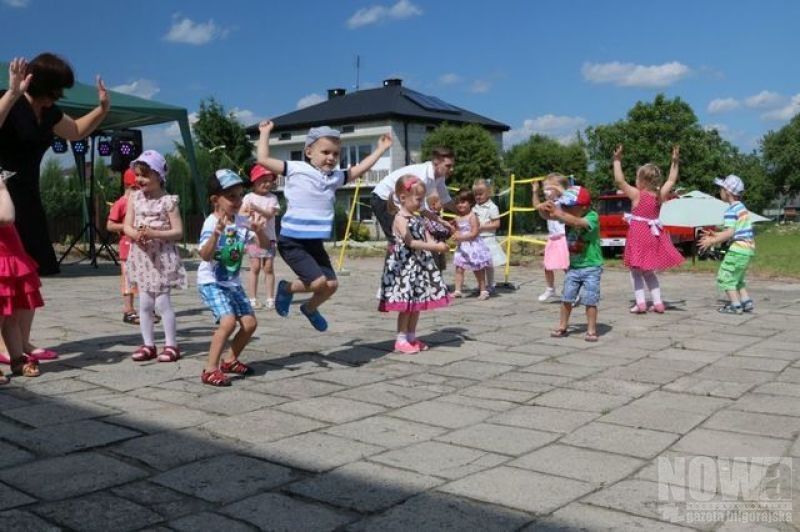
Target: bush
{"type": "Point", "coordinates": [359, 232]}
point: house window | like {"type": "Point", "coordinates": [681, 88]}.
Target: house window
{"type": "Point", "coordinates": [353, 154]}
{"type": "Point", "coordinates": [285, 136]}
{"type": "Point", "coordinates": [428, 129]}
{"type": "Point", "coordinates": [296, 155]}
{"type": "Point", "coordinates": [348, 129]}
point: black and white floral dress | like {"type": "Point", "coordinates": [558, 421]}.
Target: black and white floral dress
{"type": "Point", "coordinates": [411, 281]}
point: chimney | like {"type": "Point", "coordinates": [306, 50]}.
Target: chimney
{"type": "Point", "coordinates": [393, 82]}
{"type": "Point", "coordinates": [335, 93]}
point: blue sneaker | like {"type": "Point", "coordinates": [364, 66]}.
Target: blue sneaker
{"type": "Point", "coordinates": [748, 305]}
{"type": "Point", "coordinates": [283, 298]}
{"type": "Point", "coordinates": [315, 318]}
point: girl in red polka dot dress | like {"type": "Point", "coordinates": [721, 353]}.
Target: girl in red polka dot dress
{"type": "Point", "coordinates": [648, 247]}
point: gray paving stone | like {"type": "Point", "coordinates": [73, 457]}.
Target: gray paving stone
{"type": "Point", "coordinates": [132, 378]}
{"type": "Point", "coordinates": [511, 359]}
{"type": "Point", "coordinates": [299, 388]}
{"type": "Point", "coordinates": [641, 443]}
{"type": "Point", "coordinates": [743, 376]}
{"type": "Point", "coordinates": [387, 394]}
{"type": "Point", "coordinates": [442, 414]}
{"type": "Point", "coordinates": [78, 436]}
{"type": "Point", "coordinates": [386, 431]}
{"type": "Point", "coordinates": [485, 404]}
{"type": "Point", "coordinates": [225, 478]}
{"type": "Point", "coordinates": [364, 487]}
{"type": "Point", "coordinates": [471, 369]}
{"type": "Point", "coordinates": [489, 392]}
{"type": "Point", "coordinates": [331, 409]}
{"type": "Point", "coordinates": [272, 511]}
{"type": "Point", "coordinates": [580, 464]}
{"type": "Point", "coordinates": [768, 404]}
{"type": "Point", "coordinates": [245, 401]}
{"type": "Point", "coordinates": [656, 418]}
{"type": "Point", "coordinates": [69, 476]}
{"type": "Point", "coordinates": [709, 387]}
{"type": "Point", "coordinates": [51, 413]}
{"type": "Point", "coordinates": [99, 512]}
{"type": "Point", "coordinates": [166, 450]}
{"type": "Point", "coordinates": [261, 426]}
{"type": "Point", "coordinates": [315, 451]}
{"type": "Point", "coordinates": [758, 364]}
{"type": "Point", "coordinates": [170, 417]}
{"type": "Point", "coordinates": [208, 522]}
{"type": "Point", "coordinates": [441, 512]}
{"type": "Point", "coordinates": [612, 386]}
{"type": "Point", "coordinates": [789, 389]}
{"type": "Point", "coordinates": [11, 455]}
{"type": "Point", "coordinates": [167, 503]}
{"type": "Point", "coordinates": [350, 377]}
{"type": "Point", "coordinates": [20, 521]}
{"type": "Point", "coordinates": [723, 444]}
{"type": "Point", "coordinates": [580, 400]}
{"type": "Point", "coordinates": [499, 439]}
{"type": "Point", "coordinates": [752, 423]}
{"type": "Point", "coordinates": [10, 498]}
{"type": "Point", "coordinates": [558, 368]}
{"type": "Point", "coordinates": [577, 516]}
{"type": "Point", "coordinates": [684, 402]}
{"type": "Point", "coordinates": [519, 489]}
{"type": "Point", "coordinates": [544, 418]}
{"type": "Point", "coordinates": [439, 459]}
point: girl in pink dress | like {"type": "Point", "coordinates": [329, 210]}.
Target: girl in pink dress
{"type": "Point", "coordinates": [648, 247]}
{"type": "Point", "coordinates": [19, 289]}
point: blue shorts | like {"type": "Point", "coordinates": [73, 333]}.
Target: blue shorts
{"type": "Point", "coordinates": [225, 300]}
{"type": "Point", "coordinates": [585, 280]}
{"type": "Point", "coordinates": [307, 258]}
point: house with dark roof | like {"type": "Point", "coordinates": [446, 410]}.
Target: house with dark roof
{"type": "Point", "coordinates": [362, 117]}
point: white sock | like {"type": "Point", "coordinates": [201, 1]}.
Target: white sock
{"type": "Point", "coordinates": [147, 304]}
{"type": "Point", "coordinates": [490, 277]}
{"type": "Point", "coordinates": [164, 305]}
{"type": "Point", "coordinates": [655, 288]}
{"type": "Point", "coordinates": [402, 337]}
{"type": "Point", "coordinates": [638, 287]}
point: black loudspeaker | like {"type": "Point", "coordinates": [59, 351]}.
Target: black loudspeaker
{"type": "Point", "coordinates": [126, 146]}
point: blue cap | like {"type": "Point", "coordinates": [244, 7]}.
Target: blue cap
{"type": "Point", "coordinates": [316, 133]}
{"type": "Point", "coordinates": [228, 178]}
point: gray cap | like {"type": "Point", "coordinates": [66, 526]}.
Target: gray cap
{"type": "Point", "coordinates": [316, 133]}
{"type": "Point", "coordinates": [733, 184]}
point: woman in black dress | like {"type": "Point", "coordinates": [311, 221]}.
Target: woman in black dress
{"type": "Point", "coordinates": [26, 135]}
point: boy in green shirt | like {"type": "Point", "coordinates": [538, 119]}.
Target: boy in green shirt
{"type": "Point", "coordinates": [585, 258]}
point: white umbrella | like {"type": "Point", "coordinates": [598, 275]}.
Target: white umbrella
{"type": "Point", "coordinates": [697, 209]}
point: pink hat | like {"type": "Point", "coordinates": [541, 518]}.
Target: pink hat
{"type": "Point", "coordinates": [155, 161]}
{"type": "Point", "coordinates": [258, 171]}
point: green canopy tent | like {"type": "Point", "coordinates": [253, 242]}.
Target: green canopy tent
{"type": "Point", "coordinates": [126, 112]}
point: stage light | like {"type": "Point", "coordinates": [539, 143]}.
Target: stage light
{"type": "Point", "coordinates": [126, 145]}
{"type": "Point", "coordinates": [104, 148]}
{"type": "Point", "coordinates": [59, 145]}
{"type": "Point", "coordinates": [126, 148]}
{"type": "Point", "coordinates": [80, 147]}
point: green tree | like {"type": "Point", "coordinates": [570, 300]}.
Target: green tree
{"type": "Point", "coordinates": [216, 128]}
{"type": "Point", "coordinates": [477, 154]}
{"type": "Point", "coordinates": [648, 133]}
{"type": "Point", "coordinates": [180, 178]}
{"type": "Point", "coordinates": [61, 195]}
{"type": "Point", "coordinates": [781, 152]}
{"type": "Point", "coordinates": [541, 155]}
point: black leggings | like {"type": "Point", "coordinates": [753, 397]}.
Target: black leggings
{"type": "Point", "coordinates": [385, 219]}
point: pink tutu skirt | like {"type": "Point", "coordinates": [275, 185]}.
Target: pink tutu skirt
{"type": "Point", "coordinates": [556, 253]}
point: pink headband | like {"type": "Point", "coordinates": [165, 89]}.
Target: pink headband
{"type": "Point", "coordinates": [410, 183]}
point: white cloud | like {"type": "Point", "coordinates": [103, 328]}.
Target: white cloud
{"type": "Point", "coordinates": [720, 128]}
{"type": "Point", "coordinates": [309, 100]}
{"type": "Point", "coordinates": [143, 88]}
{"type": "Point", "coordinates": [632, 75]}
{"type": "Point", "coordinates": [244, 116]}
{"type": "Point", "coordinates": [16, 3]}
{"type": "Point", "coordinates": [185, 30]}
{"type": "Point", "coordinates": [722, 105]}
{"type": "Point", "coordinates": [375, 14]}
{"type": "Point", "coordinates": [764, 100]}
{"type": "Point", "coordinates": [480, 86]}
{"type": "Point", "coordinates": [786, 112]}
{"type": "Point", "coordinates": [449, 79]}
{"type": "Point", "coordinates": [562, 128]}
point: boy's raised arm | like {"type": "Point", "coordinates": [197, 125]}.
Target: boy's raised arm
{"type": "Point", "coordinates": [356, 171]}
{"type": "Point", "coordinates": [275, 166]}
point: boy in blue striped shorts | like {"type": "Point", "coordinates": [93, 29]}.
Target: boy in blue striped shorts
{"type": "Point", "coordinates": [222, 242]}
{"type": "Point", "coordinates": [310, 191]}
{"type": "Point", "coordinates": [738, 228]}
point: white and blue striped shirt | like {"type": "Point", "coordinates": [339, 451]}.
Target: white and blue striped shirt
{"type": "Point", "coordinates": [310, 196]}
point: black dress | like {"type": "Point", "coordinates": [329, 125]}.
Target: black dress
{"type": "Point", "coordinates": [23, 143]}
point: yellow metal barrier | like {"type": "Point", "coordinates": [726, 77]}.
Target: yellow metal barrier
{"type": "Point", "coordinates": [349, 223]}
{"type": "Point", "coordinates": [510, 237]}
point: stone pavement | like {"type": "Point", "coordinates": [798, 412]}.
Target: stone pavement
{"type": "Point", "coordinates": [498, 427]}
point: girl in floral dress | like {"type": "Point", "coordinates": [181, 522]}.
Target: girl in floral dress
{"type": "Point", "coordinates": [411, 281]}
{"type": "Point", "coordinates": [471, 253]}
{"type": "Point", "coordinates": [153, 224]}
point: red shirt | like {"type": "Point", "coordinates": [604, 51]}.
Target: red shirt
{"type": "Point", "coordinates": [117, 215]}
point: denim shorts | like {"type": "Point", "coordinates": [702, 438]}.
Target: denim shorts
{"type": "Point", "coordinates": [225, 300]}
{"type": "Point", "coordinates": [585, 280]}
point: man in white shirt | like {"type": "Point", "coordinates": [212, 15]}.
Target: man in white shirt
{"type": "Point", "coordinates": [433, 175]}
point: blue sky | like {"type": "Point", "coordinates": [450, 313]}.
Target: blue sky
{"type": "Point", "coordinates": [545, 67]}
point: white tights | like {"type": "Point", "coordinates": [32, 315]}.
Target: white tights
{"type": "Point", "coordinates": [148, 303]}
{"type": "Point", "coordinates": [640, 278]}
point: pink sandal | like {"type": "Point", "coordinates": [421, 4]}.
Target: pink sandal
{"type": "Point", "coordinates": [419, 344]}
{"type": "Point", "coordinates": [43, 354]}
{"type": "Point", "coordinates": [235, 366]}
{"type": "Point", "coordinates": [169, 354]}
{"type": "Point", "coordinates": [638, 309]}
{"type": "Point", "coordinates": [214, 378]}
{"type": "Point", "coordinates": [144, 353]}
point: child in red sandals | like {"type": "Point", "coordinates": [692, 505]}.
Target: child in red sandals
{"type": "Point", "coordinates": [223, 238]}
